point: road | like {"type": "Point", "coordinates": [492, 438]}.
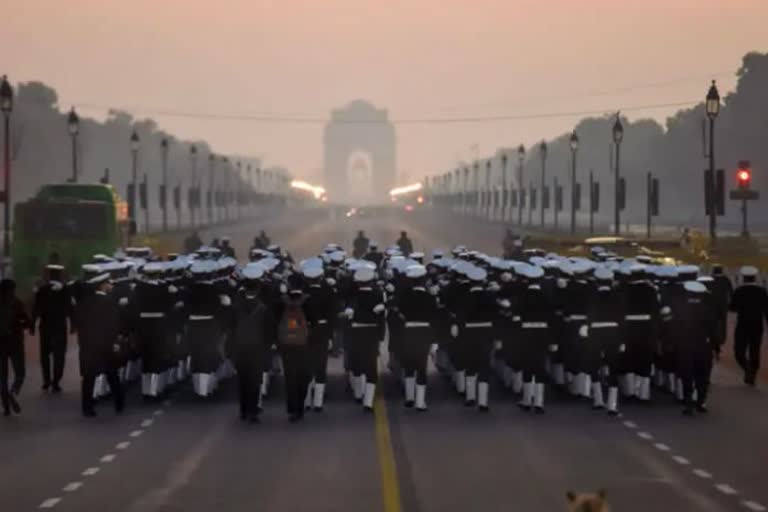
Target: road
{"type": "Point", "coordinates": [190, 454]}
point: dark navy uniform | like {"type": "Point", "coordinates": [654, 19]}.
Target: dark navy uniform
{"type": "Point", "coordinates": [750, 302]}
{"type": "Point", "coordinates": [52, 308]}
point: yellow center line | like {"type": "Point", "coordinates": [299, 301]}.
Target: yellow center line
{"type": "Point", "coordinates": [390, 488]}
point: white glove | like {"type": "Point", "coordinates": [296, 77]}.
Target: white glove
{"type": "Point", "coordinates": [498, 345]}
{"type": "Point", "coordinates": [561, 283]}
{"type": "Point", "coordinates": [115, 348]}
{"type": "Point", "coordinates": [172, 289]}
{"type": "Point", "coordinates": [225, 300]}
{"type": "Point", "coordinates": [331, 281]}
{"type": "Point", "coordinates": [622, 348]}
{"type": "Point", "coordinates": [178, 305]}
{"type": "Point", "coordinates": [455, 331]}
{"type": "Point", "coordinates": [666, 310]}
{"type": "Point", "coordinates": [389, 288]}
{"type": "Point", "coordinates": [349, 313]}
{"type": "Point", "coordinates": [504, 303]}
{"type": "Point", "coordinates": [123, 301]}
{"type": "Point", "coordinates": [283, 288]}
{"type": "Point", "coordinates": [584, 331]}
{"type": "Point", "coordinates": [433, 349]}
{"type": "Point", "coordinates": [434, 290]}
{"type": "Point", "coordinates": [553, 348]}
{"type": "Point", "coordinates": [493, 286]}
{"type": "Point", "coordinates": [379, 309]}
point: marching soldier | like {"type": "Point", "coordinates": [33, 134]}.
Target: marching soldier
{"type": "Point", "coordinates": [365, 312]}
{"type": "Point", "coordinates": [226, 249]}
{"type": "Point", "coordinates": [52, 308]}
{"type": "Point", "coordinates": [374, 255]}
{"type": "Point", "coordinates": [477, 317]}
{"type": "Point", "coordinates": [602, 340]}
{"type": "Point", "coordinates": [750, 302]}
{"type": "Point", "coordinates": [417, 309]}
{"type": "Point", "coordinates": [536, 320]}
{"type": "Point", "coordinates": [322, 301]}
{"type": "Point", "coordinates": [250, 350]}
{"type": "Point", "coordinates": [98, 335]}
{"type": "Point", "coordinates": [697, 320]}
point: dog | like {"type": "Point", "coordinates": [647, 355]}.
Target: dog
{"type": "Point", "coordinates": [587, 502]}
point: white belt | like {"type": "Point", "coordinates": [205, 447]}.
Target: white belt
{"type": "Point", "coordinates": [417, 324]}
{"type": "Point", "coordinates": [599, 325]}
{"type": "Point", "coordinates": [535, 325]}
{"type": "Point", "coordinates": [151, 315]}
{"type": "Point", "coordinates": [321, 322]}
{"type": "Point", "coordinates": [201, 317]}
{"type": "Point", "coordinates": [355, 324]}
{"type": "Point", "coordinates": [637, 317]}
{"type": "Point", "coordinates": [478, 324]}
{"type": "Point", "coordinates": [577, 317]}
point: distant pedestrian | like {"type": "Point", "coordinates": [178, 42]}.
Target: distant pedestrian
{"type": "Point", "coordinates": [405, 244]}
{"type": "Point", "coordinates": [13, 322]}
{"type": "Point", "coordinates": [52, 308]}
{"type": "Point", "coordinates": [750, 302]}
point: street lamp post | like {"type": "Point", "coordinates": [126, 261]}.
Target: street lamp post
{"type": "Point", "coordinates": [574, 150]}
{"type": "Point", "coordinates": [618, 136]}
{"type": "Point", "coordinates": [6, 106]}
{"type": "Point", "coordinates": [164, 155]}
{"type": "Point", "coordinates": [209, 197]}
{"type": "Point", "coordinates": [73, 124]}
{"type": "Point", "coordinates": [465, 196]}
{"type": "Point", "coordinates": [520, 187]}
{"type": "Point", "coordinates": [476, 188]}
{"type": "Point", "coordinates": [489, 206]}
{"type": "Point", "coordinates": [713, 109]}
{"type": "Point", "coordinates": [239, 178]}
{"type": "Point", "coordinates": [193, 185]}
{"type": "Point", "coordinates": [134, 183]}
{"type": "Point", "coordinates": [544, 151]}
{"type": "Point", "coordinates": [504, 191]}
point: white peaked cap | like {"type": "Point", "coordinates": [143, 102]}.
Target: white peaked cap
{"type": "Point", "coordinates": [99, 278]}
{"type": "Point", "coordinates": [462, 267]}
{"type": "Point", "coordinates": [603, 274]}
{"type": "Point", "coordinates": [748, 271]}
{"type": "Point", "coordinates": [705, 279]}
{"type": "Point", "coordinates": [695, 287]}
{"type": "Point", "coordinates": [417, 255]}
{"type": "Point", "coordinates": [91, 267]}
{"type": "Point", "coordinates": [270, 263]}
{"type": "Point", "coordinates": [477, 274]}
{"type": "Point", "coordinates": [668, 271]}
{"type": "Point", "coordinates": [530, 271]}
{"type": "Point", "coordinates": [153, 268]}
{"type": "Point", "coordinates": [537, 260]}
{"type": "Point", "coordinates": [201, 267]}
{"type": "Point", "coordinates": [364, 275]}
{"type": "Point", "coordinates": [253, 271]}
{"type": "Point", "coordinates": [688, 269]}
{"type": "Point", "coordinates": [438, 253]}
{"type": "Point", "coordinates": [415, 271]}
{"type": "Point", "coordinates": [312, 272]}
{"type": "Point", "coordinates": [311, 263]}
{"type": "Point", "coordinates": [338, 256]}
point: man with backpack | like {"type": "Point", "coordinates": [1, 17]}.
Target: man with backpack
{"type": "Point", "coordinates": [293, 343]}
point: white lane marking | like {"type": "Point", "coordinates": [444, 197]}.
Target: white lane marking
{"type": "Point", "coordinates": [644, 435]}
{"type": "Point", "coordinates": [681, 460]}
{"type": "Point", "coordinates": [726, 489]}
{"type": "Point", "coordinates": [702, 474]}
{"type": "Point", "coordinates": [630, 424]}
{"type": "Point", "coordinates": [108, 457]}
{"type": "Point", "coordinates": [90, 471]}
{"type": "Point", "coordinates": [50, 503]}
{"type": "Point", "coordinates": [72, 486]}
{"type": "Point", "coordinates": [661, 446]}
{"type": "Point", "coordinates": [158, 412]}
{"type": "Point", "coordinates": [136, 433]}
{"type": "Point", "coordinates": [123, 445]}
{"type": "Point", "coordinates": [147, 423]}
{"type": "Point", "coordinates": [753, 505]}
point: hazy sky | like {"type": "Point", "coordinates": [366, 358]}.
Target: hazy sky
{"type": "Point", "coordinates": [418, 58]}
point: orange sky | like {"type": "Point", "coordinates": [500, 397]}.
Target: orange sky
{"type": "Point", "coordinates": [417, 58]}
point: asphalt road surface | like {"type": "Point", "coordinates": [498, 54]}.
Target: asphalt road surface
{"type": "Point", "coordinates": [191, 454]}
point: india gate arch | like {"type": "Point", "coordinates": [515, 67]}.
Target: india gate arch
{"type": "Point", "coordinates": [359, 128]}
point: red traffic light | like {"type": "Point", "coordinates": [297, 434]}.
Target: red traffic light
{"type": "Point", "coordinates": [744, 176]}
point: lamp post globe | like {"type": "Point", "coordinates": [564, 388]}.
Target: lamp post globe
{"type": "Point", "coordinates": [135, 142]}
{"type": "Point", "coordinates": [574, 142]}
{"type": "Point", "coordinates": [6, 96]}
{"type": "Point", "coordinates": [73, 122]}
{"type": "Point", "coordinates": [618, 131]}
{"type": "Point", "coordinates": [713, 101]}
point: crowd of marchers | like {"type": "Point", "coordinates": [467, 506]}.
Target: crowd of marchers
{"type": "Point", "coordinates": [602, 328]}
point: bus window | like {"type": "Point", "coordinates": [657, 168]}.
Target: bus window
{"type": "Point", "coordinates": [65, 221]}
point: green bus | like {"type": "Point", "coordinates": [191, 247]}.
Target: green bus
{"type": "Point", "coordinates": [72, 220]}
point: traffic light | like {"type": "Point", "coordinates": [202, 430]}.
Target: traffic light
{"type": "Point", "coordinates": [143, 195]}
{"type": "Point", "coordinates": [744, 175]}
{"type": "Point", "coordinates": [177, 197]}
{"type": "Point", "coordinates": [596, 197]}
{"type": "Point", "coordinates": [162, 197]}
{"type": "Point", "coordinates": [533, 198]}
{"type": "Point", "coordinates": [545, 198]}
{"type": "Point", "coordinates": [654, 206]}
{"type": "Point", "coordinates": [559, 198]}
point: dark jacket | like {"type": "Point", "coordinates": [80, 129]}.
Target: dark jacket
{"type": "Point", "coordinates": [99, 327]}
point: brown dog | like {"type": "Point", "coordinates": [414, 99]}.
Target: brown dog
{"type": "Point", "coordinates": [587, 502]}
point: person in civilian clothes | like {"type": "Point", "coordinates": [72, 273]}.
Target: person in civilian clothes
{"type": "Point", "coordinates": [13, 322]}
{"type": "Point", "coordinates": [52, 308]}
{"type": "Point", "coordinates": [750, 303]}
